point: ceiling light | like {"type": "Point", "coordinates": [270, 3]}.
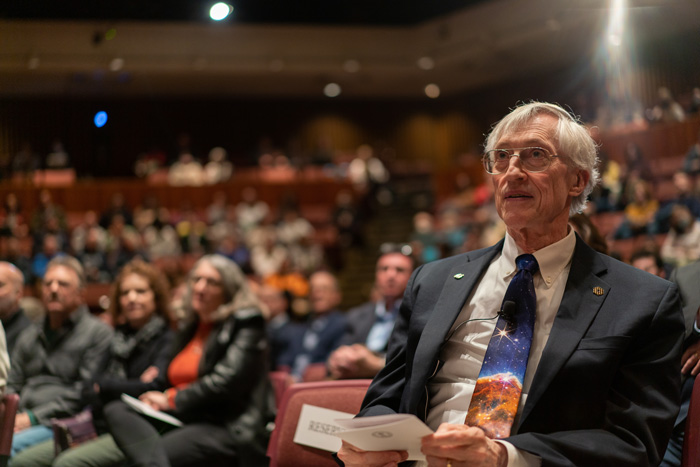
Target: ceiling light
{"type": "Point", "coordinates": [432, 91]}
{"type": "Point", "coordinates": [332, 90]}
{"type": "Point", "coordinates": [426, 63]}
{"type": "Point", "coordinates": [116, 64]}
{"type": "Point", "coordinates": [220, 11]}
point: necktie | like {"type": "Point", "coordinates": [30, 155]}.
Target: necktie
{"type": "Point", "coordinates": [500, 384]}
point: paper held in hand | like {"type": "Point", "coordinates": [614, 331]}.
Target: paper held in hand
{"type": "Point", "coordinates": [151, 412]}
{"type": "Point", "coordinates": [396, 432]}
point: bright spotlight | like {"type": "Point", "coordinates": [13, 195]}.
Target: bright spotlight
{"type": "Point", "coordinates": [100, 119]}
{"type": "Point", "coordinates": [331, 90]}
{"type": "Point", "coordinates": [220, 11]}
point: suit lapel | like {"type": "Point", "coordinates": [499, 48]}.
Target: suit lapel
{"type": "Point", "coordinates": [458, 285]}
{"type": "Point", "coordinates": [578, 308]}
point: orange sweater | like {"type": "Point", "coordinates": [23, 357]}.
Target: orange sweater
{"type": "Point", "coordinates": [183, 369]}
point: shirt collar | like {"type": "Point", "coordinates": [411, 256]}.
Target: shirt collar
{"type": "Point", "coordinates": [380, 308]}
{"type": "Point", "coordinates": [551, 259]}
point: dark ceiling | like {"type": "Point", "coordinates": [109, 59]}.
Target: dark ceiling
{"type": "Point", "coordinates": [333, 12]}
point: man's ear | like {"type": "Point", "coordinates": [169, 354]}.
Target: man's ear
{"type": "Point", "coordinates": [582, 177]}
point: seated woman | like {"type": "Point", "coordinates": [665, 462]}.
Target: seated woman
{"type": "Point", "coordinates": [639, 214]}
{"type": "Point", "coordinates": [139, 353]}
{"type": "Point", "coordinates": [218, 383]}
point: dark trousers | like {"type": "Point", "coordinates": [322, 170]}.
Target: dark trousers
{"type": "Point", "coordinates": [148, 443]}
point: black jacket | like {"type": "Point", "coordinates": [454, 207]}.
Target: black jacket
{"type": "Point", "coordinates": [233, 388]}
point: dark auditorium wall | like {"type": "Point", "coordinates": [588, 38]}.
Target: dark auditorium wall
{"type": "Point", "coordinates": [135, 125]}
{"type": "Point", "coordinates": [417, 130]}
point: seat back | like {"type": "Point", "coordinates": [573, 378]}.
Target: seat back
{"type": "Point", "coordinates": [280, 381]}
{"type": "Point", "coordinates": [691, 440]}
{"type": "Point", "coordinates": [344, 396]}
{"type": "Point", "coordinates": [8, 410]}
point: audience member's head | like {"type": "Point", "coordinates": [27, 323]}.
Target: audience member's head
{"type": "Point", "coordinates": [11, 289]}
{"type": "Point", "coordinates": [216, 289]}
{"type": "Point", "coordinates": [62, 286]}
{"type": "Point", "coordinates": [324, 292]}
{"type": "Point", "coordinates": [140, 291]}
{"type": "Point", "coordinates": [681, 220]}
{"type": "Point", "coordinates": [648, 260]}
{"type": "Point", "coordinates": [683, 183]}
{"type": "Point", "coordinates": [392, 272]}
{"type": "Point", "coordinates": [275, 300]}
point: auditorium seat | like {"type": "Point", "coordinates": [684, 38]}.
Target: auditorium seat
{"type": "Point", "coordinates": [8, 410]}
{"type": "Point", "coordinates": [691, 441]}
{"type": "Point", "coordinates": [344, 396]}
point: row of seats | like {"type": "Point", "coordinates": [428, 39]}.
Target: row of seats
{"type": "Point", "coordinates": [347, 396]}
{"type": "Point", "coordinates": [344, 396]}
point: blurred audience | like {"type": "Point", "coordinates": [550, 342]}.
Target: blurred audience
{"type": "Point", "coordinates": [682, 244]}
{"type": "Point", "coordinates": [588, 232]}
{"type": "Point", "coordinates": [363, 346]}
{"type": "Point", "coordinates": [639, 213]}
{"type": "Point", "coordinates": [648, 259]}
{"type": "Point", "coordinates": [139, 352]}
{"type": "Point", "coordinates": [312, 341]}
{"type": "Point", "coordinates": [667, 109]}
{"type": "Point", "coordinates": [52, 362]}
{"type": "Point", "coordinates": [217, 381]}
{"type": "Point", "coordinates": [13, 318]}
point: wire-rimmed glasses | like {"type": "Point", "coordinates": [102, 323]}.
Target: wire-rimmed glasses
{"type": "Point", "coordinates": [533, 159]}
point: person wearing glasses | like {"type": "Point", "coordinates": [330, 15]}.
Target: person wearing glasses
{"type": "Point", "coordinates": [217, 381]}
{"type": "Point", "coordinates": [601, 384]}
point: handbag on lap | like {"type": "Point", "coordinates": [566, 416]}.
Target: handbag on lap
{"type": "Point", "coordinates": [72, 431]}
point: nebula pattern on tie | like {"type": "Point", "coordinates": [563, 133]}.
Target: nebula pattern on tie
{"type": "Point", "coordinates": [493, 407]}
{"type": "Point", "coordinates": [498, 389]}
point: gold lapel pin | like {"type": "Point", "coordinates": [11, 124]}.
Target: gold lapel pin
{"type": "Point", "coordinates": [598, 290]}
{"type": "Point", "coordinates": [459, 276]}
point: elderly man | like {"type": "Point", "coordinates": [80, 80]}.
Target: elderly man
{"type": "Point", "coordinates": [537, 350]}
{"type": "Point", "coordinates": [363, 347]}
{"type": "Point", "coordinates": [52, 362]}
{"type": "Point", "coordinates": [11, 290]}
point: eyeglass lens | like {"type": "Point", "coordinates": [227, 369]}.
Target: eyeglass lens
{"type": "Point", "coordinates": [532, 159]}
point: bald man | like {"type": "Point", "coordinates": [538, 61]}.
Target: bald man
{"type": "Point", "coordinates": [14, 321]}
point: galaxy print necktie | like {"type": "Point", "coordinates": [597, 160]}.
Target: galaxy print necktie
{"type": "Point", "coordinates": [500, 384]}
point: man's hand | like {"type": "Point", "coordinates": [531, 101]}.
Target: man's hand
{"type": "Point", "coordinates": [691, 360]}
{"type": "Point", "coordinates": [22, 422]}
{"type": "Point", "coordinates": [353, 456]}
{"type": "Point", "coordinates": [462, 446]}
{"type": "Point", "coordinates": [354, 361]}
{"type": "Point", "coordinates": [155, 399]}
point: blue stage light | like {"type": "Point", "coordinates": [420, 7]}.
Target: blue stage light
{"type": "Point", "coordinates": [100, 119]}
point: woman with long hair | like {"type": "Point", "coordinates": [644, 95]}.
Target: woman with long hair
{"type": "Point", "coordinates": [217, 381]}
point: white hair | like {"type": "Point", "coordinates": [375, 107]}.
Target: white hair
{"type": "Point", "coordinates": [573, 141]}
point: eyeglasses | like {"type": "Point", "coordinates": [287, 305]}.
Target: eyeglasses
{"type": "Point", "coordinates": [210, 282]}
{"type": "Point", "coordinates": [496, 161]}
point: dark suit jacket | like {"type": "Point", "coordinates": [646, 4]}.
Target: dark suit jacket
{"type": "Point", "coordinates": [606, 390]}
{"type": "Point", "coordinates": [687, 278]}
{"type": "Point", "coordinates": [359, 323]}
